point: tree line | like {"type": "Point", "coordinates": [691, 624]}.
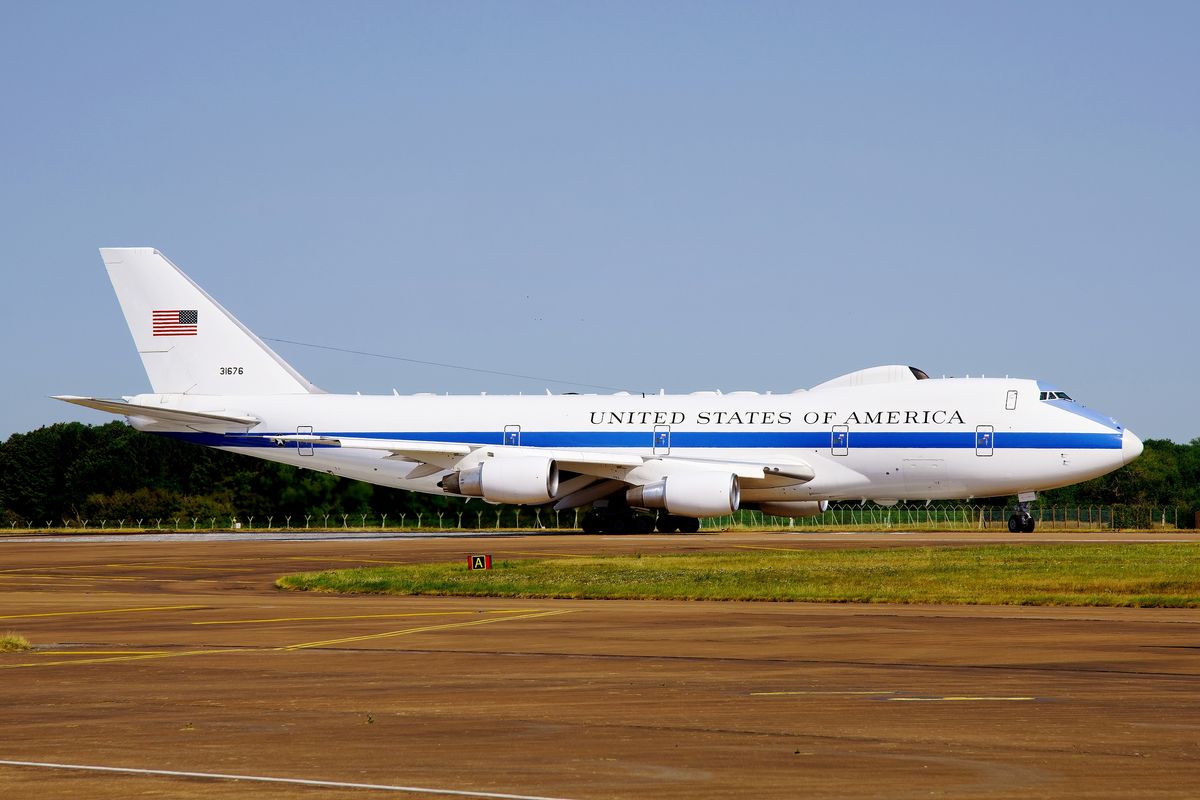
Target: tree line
{"type": "Point", "coordinates": [72, 471]}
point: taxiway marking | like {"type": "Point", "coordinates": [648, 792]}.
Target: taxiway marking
{"type": "Point", "coordinates": [557, 555]}
{"type": "Point", "coordinates": [321, 559]}
{"type": "Point", "coordinates": [360, 616]}
{"type": "Point", "coordinates": [111, 578]}
{"type": "Point", "coordinates": [779, 694]}
{"type": "Point", "coordinates": [114, 659]}
{"type": "Point", "coordinates": [220, 776]}
{"type": "Point", "coordinates": [776, 549]}
{"type": "Point", "coordinates": [422, 629]}
{"type": "Point", "coordinates": [215, 566]}
{"type": "Point", "coordinates": [101, 652]}
{"type": "Point", "coordinates": [958, 699]}
{"type": "Point", "coordinates": [512, 617]}
{"type": "Point", "coordinates": [100, 611]}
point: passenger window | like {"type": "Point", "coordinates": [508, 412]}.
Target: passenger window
{"type": "Point", "coordinates": [1010, 402]}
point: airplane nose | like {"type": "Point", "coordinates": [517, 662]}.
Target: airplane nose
{"type": "Point", "coordinates": [1131, 446]}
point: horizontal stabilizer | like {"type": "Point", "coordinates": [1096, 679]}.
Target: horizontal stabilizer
{"type": "Point", "coordinates": [161, 413]}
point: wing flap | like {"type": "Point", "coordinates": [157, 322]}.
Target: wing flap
{"type": "Point", "coordinates": [440, 454]}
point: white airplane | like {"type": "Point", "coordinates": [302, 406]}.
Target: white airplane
{"type": "Point", "coordinates": [884, 434]}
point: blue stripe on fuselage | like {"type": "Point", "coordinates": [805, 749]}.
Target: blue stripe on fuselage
{"type": "Point", "coordinates": [772, 440]}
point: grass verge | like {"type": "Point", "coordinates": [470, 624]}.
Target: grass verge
{"type": "Point", "coordinates": [1141, 575]}
{"type": "Point", "coordinates": [13, 643]}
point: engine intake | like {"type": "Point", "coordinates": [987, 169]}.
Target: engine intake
{"type": "Point", "coordinates": [690, 494]}
{"type": "Point", "coordinates": [523, 480]}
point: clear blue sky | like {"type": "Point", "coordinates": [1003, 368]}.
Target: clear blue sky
{"type": "Point", "coordinates": [642, 195]}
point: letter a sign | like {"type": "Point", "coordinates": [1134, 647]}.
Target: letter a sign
{"type": "Point", "coordinates": [480, 562]}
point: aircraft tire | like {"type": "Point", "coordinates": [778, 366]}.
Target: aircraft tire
{"type": "Point", "coordinates": [668, 523]}
{"type": "Point", "coordinates": [1027, 525]}
{"type": "Point", "coordinates": [1014, 524]}
{"type": "Point", "coordinates": [688, 524]}
{"type": "Point", "coordinates": [592, 523]}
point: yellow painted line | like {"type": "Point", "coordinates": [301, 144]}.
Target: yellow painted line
{"type": "Point", "coordinates": [777, 694]}
{"type": "Point", "coordinates": [101, 652]}
{"type": "Point", "coordinates": [560, 555]}
{"type": "Point", "coordinates": [306, 645]}
{"type": "Point", "coordinates": [776, 549]}
{"type": "Point", "coordinates": [114, 659]}
{"type": "Point", "coordinates": [423, 629]}
{"type": "Point", "coordinates": [100, 611]}
{"type": "Point", "coordinates": [322, 560]}
{"type": "Point", "coordinates": [31, 569]}
{"type": "Point", "coordinates": [957, 699]}
{"type": "Point", "coordinates": [359, 616]}
{"type": "Point", "coordinates": [151, 566]}
{"type": "Point", "coordinates": [109, 578]}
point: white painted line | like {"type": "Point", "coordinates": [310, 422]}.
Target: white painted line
{"type": "Point", "coordinates": [379, 787]}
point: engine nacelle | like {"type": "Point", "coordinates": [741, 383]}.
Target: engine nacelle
{"type": "Point", "coordinates": [794, 508]}
{"type": "Point", "coordinates": [690, 494]}
{"type": "Point", "coordinates": [517, 479]}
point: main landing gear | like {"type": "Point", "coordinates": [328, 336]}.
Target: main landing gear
{"type": "Point", "coordinates": [669, 523]}
{"type": "Point", "coordinates": [626, 520]}
{"type": "Point", "coordinates": [1021, 521]}
{"type": "Point", "coordinates": [616, 520]}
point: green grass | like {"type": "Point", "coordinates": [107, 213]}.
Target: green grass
{"type": "Point", "coordinates": [1142, 575]}
{"type": "Point", "coordinates": [13, 643]}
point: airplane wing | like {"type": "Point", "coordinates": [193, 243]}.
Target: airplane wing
{"type": "Point", "coordinates": [441, 454]}
{"type": "Point", "coordinates": [158, 412]}
{"type": "Point", "coordinates": [601, 465]}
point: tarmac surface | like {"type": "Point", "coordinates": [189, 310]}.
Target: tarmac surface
{"type": "Point", "coordinates": [169, 666]}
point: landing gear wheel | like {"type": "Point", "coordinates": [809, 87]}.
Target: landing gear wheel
{"type": "Point", "coordinates": [688, 524]}
{"type": "Point", "coordinates": [616, 520]}
{"type": "Point", "coordinates": [668, 523]}
{"type": "Point", "coordinates": [1021, 523]}
{"type": "Point", "coordinates": [592, 523]}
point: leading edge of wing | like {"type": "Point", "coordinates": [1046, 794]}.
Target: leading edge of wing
{"type": "Point", "coordinates": [449, 455]}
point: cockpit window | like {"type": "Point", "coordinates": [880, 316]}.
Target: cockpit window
{"type": "Point", "coordinates": [1055, 396]}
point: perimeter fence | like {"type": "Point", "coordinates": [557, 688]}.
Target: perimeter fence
{"type": "Point", "coordinates": [839, 516]}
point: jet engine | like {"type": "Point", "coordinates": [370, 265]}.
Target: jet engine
{"type": "Point", "coordinates": [794, 508]}
{"type": "Point", "coordinates": [523, 480]}
{"type": "Point", "coordinates": [690, 494]}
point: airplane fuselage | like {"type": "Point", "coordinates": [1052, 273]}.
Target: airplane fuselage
{"type": "Point", "coordinates": [919, 440]}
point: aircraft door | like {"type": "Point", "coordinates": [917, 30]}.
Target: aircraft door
{"type": "Point", "coordinates": [512, 436]}
{"type": "Point", "coordinates": [304, 448]}
{"type": "Point", "coordinates": [662, 440]}
{"type": "Point", "coordinates": [839, 443]}
{"type": "Point", "coordinates": [984, 440]}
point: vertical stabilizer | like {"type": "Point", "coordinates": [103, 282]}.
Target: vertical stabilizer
{"type": "Point", "coordinates": [189, 344]}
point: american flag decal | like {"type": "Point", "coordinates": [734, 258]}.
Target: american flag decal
{"type": "Point", "coordinates": [174, 323]}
